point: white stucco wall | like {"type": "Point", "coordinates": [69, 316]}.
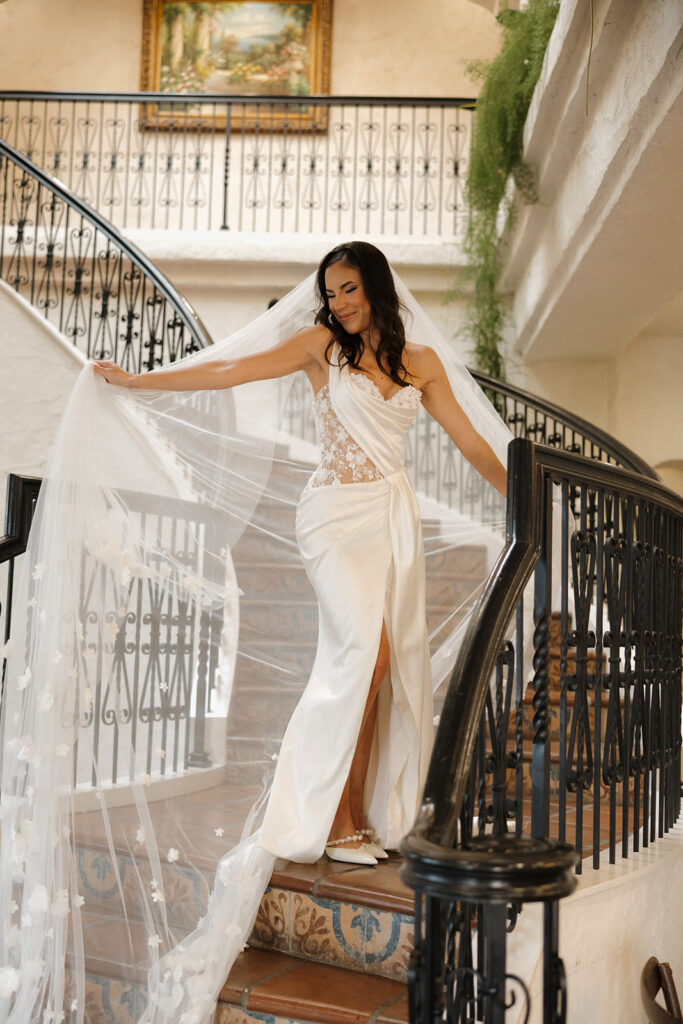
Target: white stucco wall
{"type": "Point", "coordinates": [593, 271]}
{"type": "Point", "coordinates": [387, 47]}
{"type": "Point", "coordinates": [617, 918]}
{"type": "Point", "coordinates": [647, 408]}
{"type": "Point", "coordinates": [39, 369]}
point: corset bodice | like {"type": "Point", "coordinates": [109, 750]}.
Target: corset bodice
{"type": "Point", "coordinates": [342, 460]}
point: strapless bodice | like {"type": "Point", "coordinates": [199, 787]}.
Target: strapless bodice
{"type": "Point", "coordinates": [342, 460]}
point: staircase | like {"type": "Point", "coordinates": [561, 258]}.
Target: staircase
{"type": "Point", "coordinates": [331, 944]}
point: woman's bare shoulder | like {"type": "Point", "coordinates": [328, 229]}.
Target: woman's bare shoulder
{"type": "Point", "coordinates": [422, 363]}
{"type": "Point", "coordinates": [315, 340]}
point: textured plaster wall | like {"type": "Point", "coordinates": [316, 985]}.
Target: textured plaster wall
{"type": "Point", "coordinates": [610, 926]}
{"type": "Point", "coordinates": [582, 387]}
{"type": "Point", "coordinates": [70, 44]}
{"type": "Point", "coordinates": [387, 47]}
{"type": "Point", "coordinates": [647, 408]}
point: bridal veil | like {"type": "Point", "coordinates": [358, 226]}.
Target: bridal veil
{"type": "Point", "coordinates": [163, 631]}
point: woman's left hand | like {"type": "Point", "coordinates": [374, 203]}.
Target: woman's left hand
{"type": "Point", "coordinates": [113, 374]}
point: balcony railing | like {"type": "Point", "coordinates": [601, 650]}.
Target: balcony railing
{"type": "Point", "coordinates": [341, 165]}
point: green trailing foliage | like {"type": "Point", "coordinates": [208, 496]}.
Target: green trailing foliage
{"type": "Point", "coordinates": [495, 155]}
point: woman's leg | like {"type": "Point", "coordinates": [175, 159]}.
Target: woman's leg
{"type": "Point", "coordinates": [349, 817]}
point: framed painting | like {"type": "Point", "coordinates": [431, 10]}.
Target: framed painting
{"type": "Point", "coordinates": [227, 48]}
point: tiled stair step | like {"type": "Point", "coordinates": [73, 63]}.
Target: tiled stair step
{"type": "Point", "coordinates": [344, 961]}
{"type": "Point", "coordinates": [352, 917]}
{"type": "Point", "coordinates": [338, 913]}
{"type": "Point", "coordinates": [264, 986]}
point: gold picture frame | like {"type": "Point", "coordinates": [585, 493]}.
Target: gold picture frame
{"type": "Point", "coordinates": [236, 47]}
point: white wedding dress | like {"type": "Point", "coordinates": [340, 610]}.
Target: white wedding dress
{"type": "Point", "coordinates": [359, 535]}
{"type": "Point", "coordinates": [180, 707]}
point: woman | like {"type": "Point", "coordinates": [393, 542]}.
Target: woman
{"type": "Point", "coordinates": [359, 334]}
{"type": "Point", "coordinates": [163, 638]}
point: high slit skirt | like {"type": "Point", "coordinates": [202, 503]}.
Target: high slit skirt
{"type": "Point", "coordinates": [347, 536]}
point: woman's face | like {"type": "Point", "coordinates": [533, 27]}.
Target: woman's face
{"type": "Point", "coordinates": [346, 297]}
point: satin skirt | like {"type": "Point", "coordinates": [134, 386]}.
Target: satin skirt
{"type": "Point", "coordinates": [347, 536]}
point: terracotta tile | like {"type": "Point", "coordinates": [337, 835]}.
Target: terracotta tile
{"type": "Point", "coordinates": [190, 828]}
{"type": "Point", "coordinates": [372, 887]}
{"type": "Point", "coordinates": [395, 1012]}
{"type": "Point", "coordinates": [252, 967]}
{"type": "Point", "coordinates": [301, 877]}
{"type": "Point", "coordinates": [98, 933]}
{"type": "Point", "coordinates": [327, 995]}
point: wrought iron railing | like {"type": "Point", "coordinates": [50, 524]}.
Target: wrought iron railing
{"type": "Point", "coordinates": [332, 164]}
{"type": "Point", "coordinates": [88, 281]}
{"type": "Point", "coordinates": [574, 709]}
{"type": "Point", "coordinates": [532, 417]}
{"type": "Point", "coordinates": [161, 700]}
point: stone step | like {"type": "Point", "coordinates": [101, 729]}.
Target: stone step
{"type": "Point", "coordinates": [354, 917]}
{"type": "Point", "coordinates": [268, 986]}
{"type": "Point", "coordinates": [331, 943]}
{"type": "Point", "coordinates": [328, 912]}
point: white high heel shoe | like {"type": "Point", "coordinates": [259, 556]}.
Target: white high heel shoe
{"type": "Point", "coordinates": [335, 851]}
{"type": "Point", "coordinates": [373, 847]}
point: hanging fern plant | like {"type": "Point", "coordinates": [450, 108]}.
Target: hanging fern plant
{"type": "Point", "coordinates": [495, 155]}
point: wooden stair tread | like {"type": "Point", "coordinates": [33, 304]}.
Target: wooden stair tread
{"type": "Point", "coordinates": [263, 981]}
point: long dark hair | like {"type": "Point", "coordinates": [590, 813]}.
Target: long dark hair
{"type": "Point", "coordinates": [385, 310]}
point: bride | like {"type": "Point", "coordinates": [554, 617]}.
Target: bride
{"type": "Point", "coordinates": [174, 718]}
{"type": "Point", "coordinates": [367, 382]}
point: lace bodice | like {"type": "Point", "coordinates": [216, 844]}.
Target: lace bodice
{"type": "Point", "coordinates": [342, 460]}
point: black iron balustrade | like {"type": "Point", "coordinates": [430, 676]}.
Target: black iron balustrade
{"type": "Point", "coordinates": [563, 715]}
{"type": "Point", "coordinates": [88, 281]}
{"type": "Point", "coordinates": [332, 164]}
{"type": "Point", "coordinates": [160, 691]}
{"type": "Point", "coordinates": [532, 417]}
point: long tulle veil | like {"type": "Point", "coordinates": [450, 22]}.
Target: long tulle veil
{"type": "Point", "coordinates": [163, 630]}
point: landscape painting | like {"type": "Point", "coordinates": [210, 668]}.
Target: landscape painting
{"type": "Point", "coordinates": [236, 47]}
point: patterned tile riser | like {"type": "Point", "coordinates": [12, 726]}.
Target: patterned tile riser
{"type": "Point", "coordinates": [185, 891]}
{"type": "Point", "coordinates": [342, 934]}
{"type": "Point", "coordinates": [235, 1015]}
{"type": "Point", "coordinates": [327, 931]}
{"type": "Point", "coordinates": [109, 1001]}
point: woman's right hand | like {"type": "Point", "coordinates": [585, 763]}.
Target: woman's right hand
{"type": "Point", "coordinates": [113, 374]}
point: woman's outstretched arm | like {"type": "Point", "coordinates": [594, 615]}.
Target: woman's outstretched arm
{"type": "Point", "coordinates": [440, 402]}
{"type": "Point", "coordinates": [296, 353]}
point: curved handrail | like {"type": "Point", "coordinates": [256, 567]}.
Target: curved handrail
{"type": "Point", "coordinates": [603, 441]}
{"type": "Point", "coordinates": [189, 319]}
{"type": "Point", "coordinates": [436, 825]}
